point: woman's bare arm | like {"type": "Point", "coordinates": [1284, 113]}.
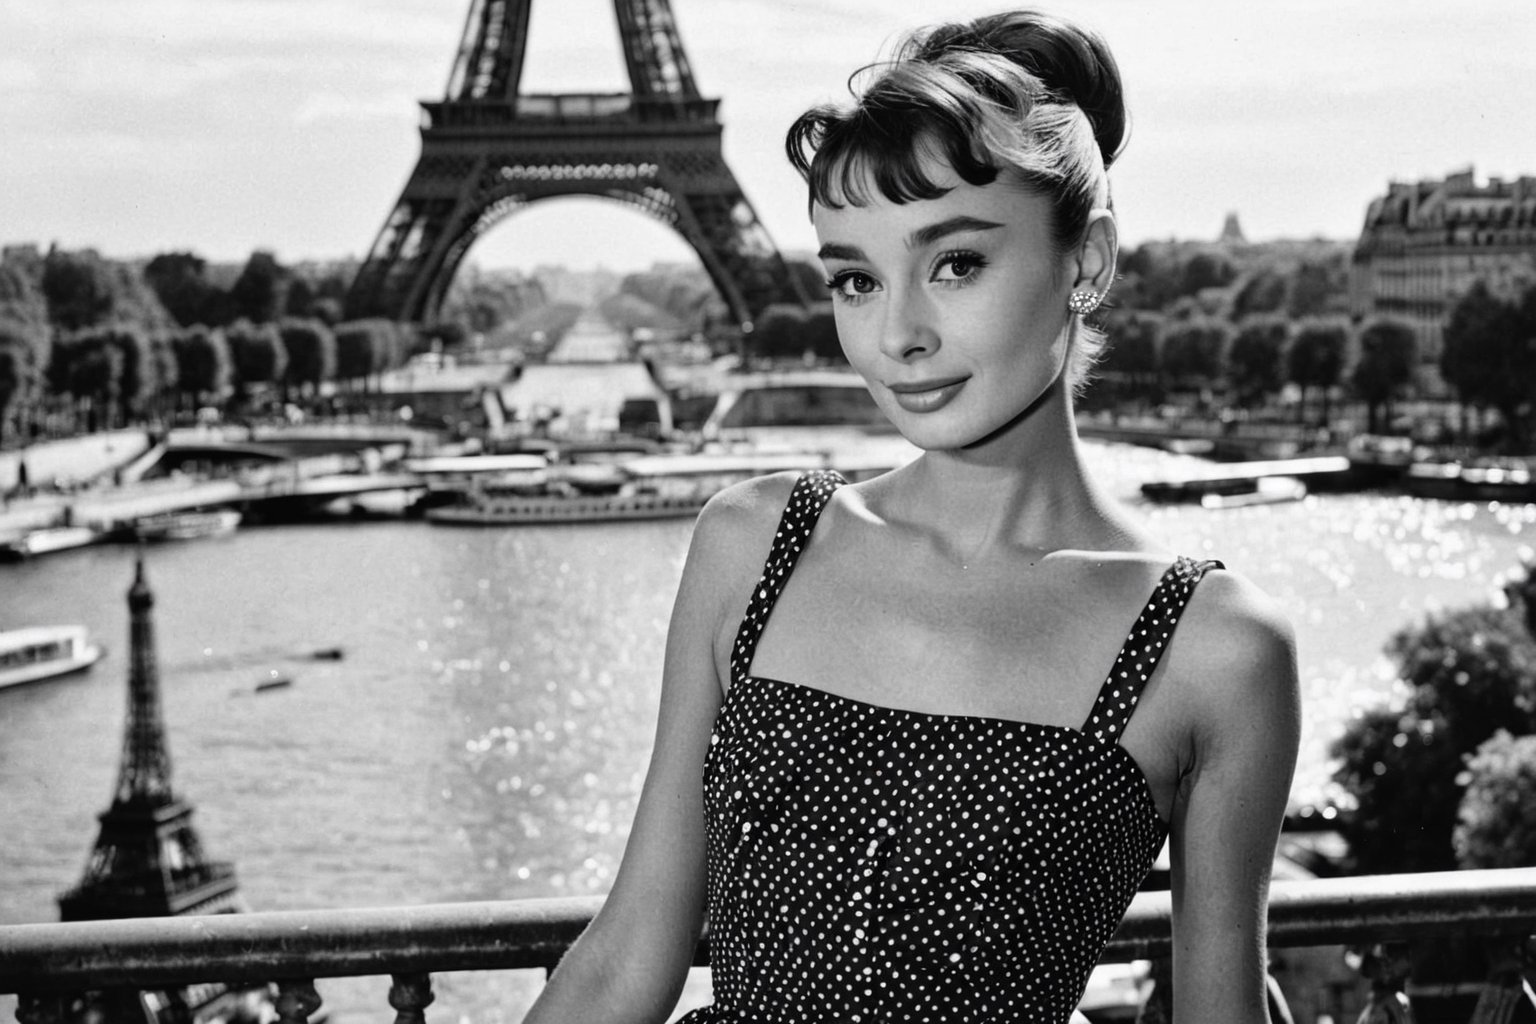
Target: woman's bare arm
{"type": "Point", "coordinates": [630, 963]}
{"type": "Point", "coordinates": [1237, 677]}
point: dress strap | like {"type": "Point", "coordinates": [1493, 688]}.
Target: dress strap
{"type": "Point", "coordinates": [812, 492]}
{"type": "Point", "coordinates": [1144, 648]}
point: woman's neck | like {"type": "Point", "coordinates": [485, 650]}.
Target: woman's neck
{"type": "Point", "coordinates": [1025, 487]}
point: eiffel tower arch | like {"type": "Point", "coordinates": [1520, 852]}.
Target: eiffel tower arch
{"type": "Point", "coordinates": [489, 150]}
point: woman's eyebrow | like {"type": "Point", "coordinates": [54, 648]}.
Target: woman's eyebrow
{"type": "Point", "coordinates": [923, 236]}
{"type": "Point", "coordinates": [836, 251]}
{"type": "Point", "coordinates": [926, 236]}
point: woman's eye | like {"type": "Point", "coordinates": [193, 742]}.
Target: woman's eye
{"type": "Point", "coordinates": [958, 266]}
{"type": "Point", "coordinates": [851, 284]}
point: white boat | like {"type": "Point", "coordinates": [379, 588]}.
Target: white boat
{"type": "Point", "coordinates": [188, 525]}
{"type": "Point", "coordinates": [1267, 490]}
{"type": "Point", "coordinates": [646, 487]}
{"type": "Point", "coordinates": [762, 423]}
{"type": "Point", "coordinates": [42, 652]}
{"type": "Point", "coordinates": [48, 540]}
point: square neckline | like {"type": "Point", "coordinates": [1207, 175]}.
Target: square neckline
{"type": "Point", "coordinates": [1096, 743]}
{"type": "Point", "coordinates": [1106, 720]}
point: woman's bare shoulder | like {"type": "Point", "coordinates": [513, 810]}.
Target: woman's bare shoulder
{"type": "Point", "coordinates": [1236, 650]}
{"type": "Point", "coordinates": [735, 529]}
{"type": "Point", "coordinates": [746, 510]}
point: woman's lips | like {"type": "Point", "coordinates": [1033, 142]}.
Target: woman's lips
{"type": "Point", "coordinates": [927, 395]}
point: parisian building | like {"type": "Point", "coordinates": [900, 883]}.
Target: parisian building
{"type": "Point", "coordinates": [1425, 243]}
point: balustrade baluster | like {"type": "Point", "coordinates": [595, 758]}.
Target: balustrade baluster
{"type": "Point", "coordinates": [1158, 1009]}
{"type": "Point", "coordinates": [42, 1009]}
{"type": "Point", "coordinates": [297, 999]}
{"type": "Point", "coordinates": [1506, 987]}
{"type": "Point", "coordinates": [411, 994]}
{"type": "Point", "coordinates": [1386, 966]}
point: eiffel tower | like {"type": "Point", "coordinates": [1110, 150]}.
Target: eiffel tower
{"type": "Point", "coordinates": [489, 150]}
{"type": "Point", "coordinates": [148, 860]}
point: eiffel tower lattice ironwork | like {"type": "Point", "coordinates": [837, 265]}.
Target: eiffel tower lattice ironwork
{"type": "Point", "coordinates": [488, 150]}
{"type": "Point", "coordinates": [148, 860]}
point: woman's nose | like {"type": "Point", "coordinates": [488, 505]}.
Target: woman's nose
{"type": "Point", "coordinates": [907, 331]}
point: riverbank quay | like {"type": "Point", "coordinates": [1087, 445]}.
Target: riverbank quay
{"type": "Point", "coordinates": [101, 482]}
{"type": "Point", "coordinates": [47, 966]}
{"type": "Point", "coordinates": [68, 462]}
{"type": "Point", "coordinates": [1210, 438]}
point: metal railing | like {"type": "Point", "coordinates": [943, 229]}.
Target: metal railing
{"type": "Point", "coordinates": [47, 965]}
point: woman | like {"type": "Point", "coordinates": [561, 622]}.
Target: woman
{"type": "Point", "coordinates": [908, 783]}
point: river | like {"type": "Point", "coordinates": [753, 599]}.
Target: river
{"type": "Point", "coordinates": [486, 733]}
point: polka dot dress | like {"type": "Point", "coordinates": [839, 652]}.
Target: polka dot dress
{"type": "Point", "coordinates": [867, 863]}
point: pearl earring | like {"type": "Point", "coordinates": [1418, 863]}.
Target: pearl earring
{"type": "Point", "coordinates": [1082, 302]}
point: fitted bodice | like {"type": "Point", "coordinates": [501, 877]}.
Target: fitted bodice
{"type": "Point", "coordinates": [870, 863]}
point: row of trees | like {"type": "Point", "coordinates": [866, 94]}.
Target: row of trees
{"type": "Point", "coordinates": [111, 375]}
{"type": "Point", "coordinates": [1150, 354]}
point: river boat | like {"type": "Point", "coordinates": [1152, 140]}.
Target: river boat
{"type": "Point", "coordinates": [188, 525]}
{"type": "Point", "coordinates": [761, 424]}
{"type": "Point", "coordinates": [44, 652]}
{"type": "Point", "coordinates": [48, 540]}
{"type": "Point", "coordinates": [646, 487]}
{"type": "Point", "coordinates": [1267, 490]}
{"type": "Point", "coordinates": [1453, 481]}
{"type": "Point", "coordinates": [1378, 460]}
{"type": "Point", "coordinates": [1233, 479]}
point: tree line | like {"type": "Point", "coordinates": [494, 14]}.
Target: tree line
{"type": "Point", "coordinates": [88, 343]}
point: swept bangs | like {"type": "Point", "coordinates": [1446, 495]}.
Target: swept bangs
{"type": "Point", "coordinates": [968, 114]}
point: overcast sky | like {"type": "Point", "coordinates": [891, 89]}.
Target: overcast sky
{"type": "Point", "coordinates": [221, 126]}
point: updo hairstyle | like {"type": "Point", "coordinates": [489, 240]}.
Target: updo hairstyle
{"type": "Point", "coordinates": [1022, 93]}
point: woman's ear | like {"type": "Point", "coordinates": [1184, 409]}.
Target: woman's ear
{"type": "Point", "coordinates": [1096, 258]}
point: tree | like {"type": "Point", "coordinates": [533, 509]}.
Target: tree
{"type": "Point", "coordinates": [257, 354]}
{"type": "Point", "coordinates": [1206, 270]}
{"type": "Point", "coordinates": [91, 370]}
{"type": "Point", "coordinates": [368, 347]}
{"type": "Point", "coordinates": [1150, 279]}
{"type": "Point", "coordinates": [311, 350]}
{"type": "Point", "coordinates": [1256, 358]}
{"type": "Point", "coordinates": [1263, 291]}
{"type": "Point", "coordinates": [1389, 350]}
{"type": "Point", "coordinates": [779, 333]}
{"type": "Point", "coordinates": [1314, 288]}
{"type": "Point", "coordinates": [1193, 351]}
{"type": "Point", "coordinates": [203, 363]}
{"type": "Point", "coordinates": [1496, 820]}
{"type": "Point", "coordinates": [83, 290]}
{"type": "Point", "coordinates": [25, 334]}
{"type": "Point", "coordinates": [821, 333]}
{"type": "Point", "coordinates": [14, 377]}
{"type": "Point", "coordinates": [1489, 356]}
{"type": "Point", "coordinates": [78, 289]}
{"type": "Point", "coordinates": [179, 279]}
{"type": "Point", "coordinates": [258, 294]}
{"type": "Point", "coordinates": [1316, 358]}
{"type": "Point", "coordinates": [1470, 673]}
{"type": "Point", "coordinates": [139, 368]}
{"type": "Point", "coordinates": [1132, 358]}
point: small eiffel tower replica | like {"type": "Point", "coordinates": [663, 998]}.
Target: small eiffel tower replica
{"type": "Point", "coordinates": [148, 861]}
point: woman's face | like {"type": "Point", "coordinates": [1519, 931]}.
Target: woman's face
{"type": "Point", "coordinates": [953, 309]}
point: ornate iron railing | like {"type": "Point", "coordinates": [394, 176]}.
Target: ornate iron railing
{"type": "Point", "coordinates": [47, 965]}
